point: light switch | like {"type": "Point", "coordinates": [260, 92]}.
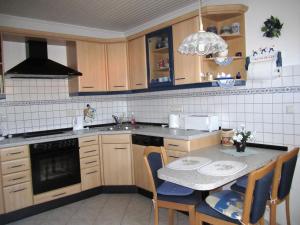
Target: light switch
{"type": "Point", "coordinates": [290, 109]}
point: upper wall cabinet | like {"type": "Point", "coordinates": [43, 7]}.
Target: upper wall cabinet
{"type": "Point", "coordinates": [90, 59]}
{"type": "Point", "coordinates": [117, 66]}
{"type": "Point", "coordinates": [229, 22]}
{"type": "Point", "coordinates": [186, 68]}
{"type": "Point", "coordinates": [159, 46]}
{"type": "Point", "coordinates": [137, 63]}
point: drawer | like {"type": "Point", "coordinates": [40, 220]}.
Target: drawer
{"type": "Point", "coordinates": [16, 178]}
{"type": "Point", "coordinates": [17, 197]}
{"type": "Point", "coordinates": [15, 166]}
{"type": "Point", "coordinates": [14, 153]}
{"type": "Point", "coordinates": [89, 151]}
{"type": "Point", "coordinates": [175, 154]}
{"type": "Point", "coordinates": [89, 162]}
{"type": "Point", "coordinates": [86, 141]}
{"type": "Point", "coordinates": [177, 145]}
{"type": "Point", "coordinates": [116, 138]}
{"type": "Point", "coordinates": [90, 178]}
{"type": "Point", "coordinates": [58, 193]}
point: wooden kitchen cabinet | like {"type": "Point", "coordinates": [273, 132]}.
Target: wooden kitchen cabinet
{"type": "Point", "coordinates": [186, 68]}
{"type": "Point", "coordinates": [137, 63]}
{"type": "Point", "coordinates": [90, 59]}
{"type": "Point", "coordinates": [89, 162]}
{"type": "Point", "coordinates": [141, 178]}
{"type": "Point", "coordinates": [117, 66]}
{"type": "Point", "coordinates": [1, 195]}
{"type": "Point", "coordinates": [18, 196]}
{"type": "Point", "coordinates": [117, 160]}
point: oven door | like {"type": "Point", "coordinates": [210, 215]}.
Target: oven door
{"type": "Point", "coordinates": [54, 169]}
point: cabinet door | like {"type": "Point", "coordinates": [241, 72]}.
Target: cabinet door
{"type": "Point", "coordinates": [91, 61]}
{"type": "Point", "coordinates": [140, 172]}
{"type": "Point", "coordinates": [117, 164]}
{"type": "Point", "coordinates": [17, 197]}
{"type": "Point", "coordinates": [186, 68]}
{"type": "Point", "coordinates": [137, 63]}
{"type": "Point", "coordinates": [90, 178]}
{"type": "Point", "coordinates": [117, 66]}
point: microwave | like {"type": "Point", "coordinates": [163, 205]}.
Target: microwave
{"type": "Point", "coordinates": [200, 122]}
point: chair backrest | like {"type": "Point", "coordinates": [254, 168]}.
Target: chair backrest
{"type": "Point", "coordinates": [257, 193]}
{"type": "Point", "coordinates": [154, 158]}
{"type": "Point", "coordinates": [284, 172]}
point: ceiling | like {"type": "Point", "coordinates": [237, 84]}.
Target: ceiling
{"type": "Point", "coordinates": [116, 15]}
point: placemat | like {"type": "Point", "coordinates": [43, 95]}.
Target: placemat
{"type": "Point", "coordinates": [222, 168]}
{"type": "Point", "coordinates": [189, 163]}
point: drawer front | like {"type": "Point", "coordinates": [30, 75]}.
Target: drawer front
{"type": "Point", "coordinates": [17, 197]}
{"type": "Point", "coordinates": [59, 193]}
{"type": "Point", "coordinates": [176, 154]}
{"type": "Point", "coordinates": [86, 141]}
{"type": "Point", "coordinates": [116, 138]}
{"type": "Point", "coordinates": [89, 151]}
{"type": "Point", "coordinates": [177, 145]}
{"type": "Point", "coordinates": [15, 166]}
{"type": "Point", "coordinates": [16, 178]}
{"type": "Point", "coordinates": [89, 162]}
{"type": "Point", "coordinates": [90, 178]}
{"type": "Point", "coordinates": [19, 152]}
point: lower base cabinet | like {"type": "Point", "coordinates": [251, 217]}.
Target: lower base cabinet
{"type": "Point", "coordinates": [55, 194]}
{"type": "Point", "coordinates": [90, 178]}
{"type": "Point", "coordinates": [17, 196]}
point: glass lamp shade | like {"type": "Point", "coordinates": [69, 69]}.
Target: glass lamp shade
{"type": "Point", "coordinates": [202, 43]}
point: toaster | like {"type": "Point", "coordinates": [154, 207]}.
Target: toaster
{"type": "Point", "coordinates": [200, 122]}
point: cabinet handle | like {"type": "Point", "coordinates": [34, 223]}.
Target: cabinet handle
{"type": "Point", "coordinates": [90, 151]}
{"type": "Point", "coordinates": [180, 78]}
{"type": "Point", "coordinates": [58, 194]}
{"type": "Point", "coordinates": [139, 84]}
{"type": "Point", "coordinates": [173, 145]}
{"type": "Point", "coordinates": [120, 148]}
{"type": "Point", "coordinates": [18, 178]}
{"type": "Point", "coordinates": [17, 166]}
{"type": "Point", "coordinates": [118, 86]}
{"type": "Point", "coordinates": [14, 153]}
{"type": "Point", "coordinates": [88, 87]}
{"type": "Point", "coordinates": [91, 162]}
{"type": "Point", "coordinates": [22, 189]}
{"type": "Point", "coordinates": [92, 172]}
{"type": "Point", "coordinates": [88, 141]}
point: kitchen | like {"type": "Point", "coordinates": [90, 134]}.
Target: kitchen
{"type": "Point", "coordinates": [270, 107]}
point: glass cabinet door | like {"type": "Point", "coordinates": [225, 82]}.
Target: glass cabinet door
{"type": "Point", "coordinates": [160, 58]}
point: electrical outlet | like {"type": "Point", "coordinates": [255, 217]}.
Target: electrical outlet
{"type": "Point", "coordinates": [289, 109]}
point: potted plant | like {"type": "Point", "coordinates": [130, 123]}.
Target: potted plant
{"type": "Point", "coordinates": [241, 137]}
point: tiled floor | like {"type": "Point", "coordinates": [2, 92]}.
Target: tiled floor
{"type": "Point", "coordinates": [104, 209]}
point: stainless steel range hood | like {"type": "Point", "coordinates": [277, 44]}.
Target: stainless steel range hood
{"type": "Point", "coordinates": [37, 65]}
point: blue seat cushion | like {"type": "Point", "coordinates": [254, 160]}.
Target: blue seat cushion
{"type": "Point", "coordinates": [204, 208]}
{"type": "Point", "coordinates": [168, 188]}
{"type": "Point", "coordinates": [240, 185]}
{"type": "Point", "coordinates": [227, 202]}
{"type": "Point", "coordinates": [192, 199]}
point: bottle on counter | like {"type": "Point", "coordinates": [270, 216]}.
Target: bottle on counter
{"type": "Point", "coordinates": [132, 119]}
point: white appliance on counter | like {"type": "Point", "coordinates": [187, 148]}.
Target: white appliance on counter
{"type": "Point", "coordinates": [174, 120]}
{"type": "Point", "coordinates": [78, 123]}
{"type": "Point", "coordinates": [200, 122]}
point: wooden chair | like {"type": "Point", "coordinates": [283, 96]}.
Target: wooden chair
{"type": "Point", "coordinates": [155, 158]}
{"type": "Point", "coordinates": [254, 203]}
{"type": "Point", "coordinates": [281, 186]}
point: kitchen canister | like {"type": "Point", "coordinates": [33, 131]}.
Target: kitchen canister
{"type": "Point", "coordinates": [174, 120]}
{"type": "Point", "coordinates": [226, 137]}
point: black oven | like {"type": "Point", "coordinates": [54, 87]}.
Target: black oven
{"type": "Point", "coordinates": [54, 165]}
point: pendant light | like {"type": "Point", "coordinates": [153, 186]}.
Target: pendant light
{"type": "Point", "coordinates": [202, 42]}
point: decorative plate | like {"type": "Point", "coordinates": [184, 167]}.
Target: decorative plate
{"type": "Point", "coordinates": [222, 168]}
{"type": "Point", "coordinates": [189, 163]}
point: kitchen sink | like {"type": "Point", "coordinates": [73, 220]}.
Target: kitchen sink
{"type": "Point", "coordinates": [118, 128]}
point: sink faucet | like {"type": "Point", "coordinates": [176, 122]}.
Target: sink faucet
{"type": "Point", "coordinates": [117, 119]}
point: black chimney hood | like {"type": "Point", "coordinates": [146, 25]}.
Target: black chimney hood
{"type": "Point", "coordinates": [37, 65]}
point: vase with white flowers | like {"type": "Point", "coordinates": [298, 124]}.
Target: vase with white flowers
{"type": "Point", "coordinates": [241, 137]}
